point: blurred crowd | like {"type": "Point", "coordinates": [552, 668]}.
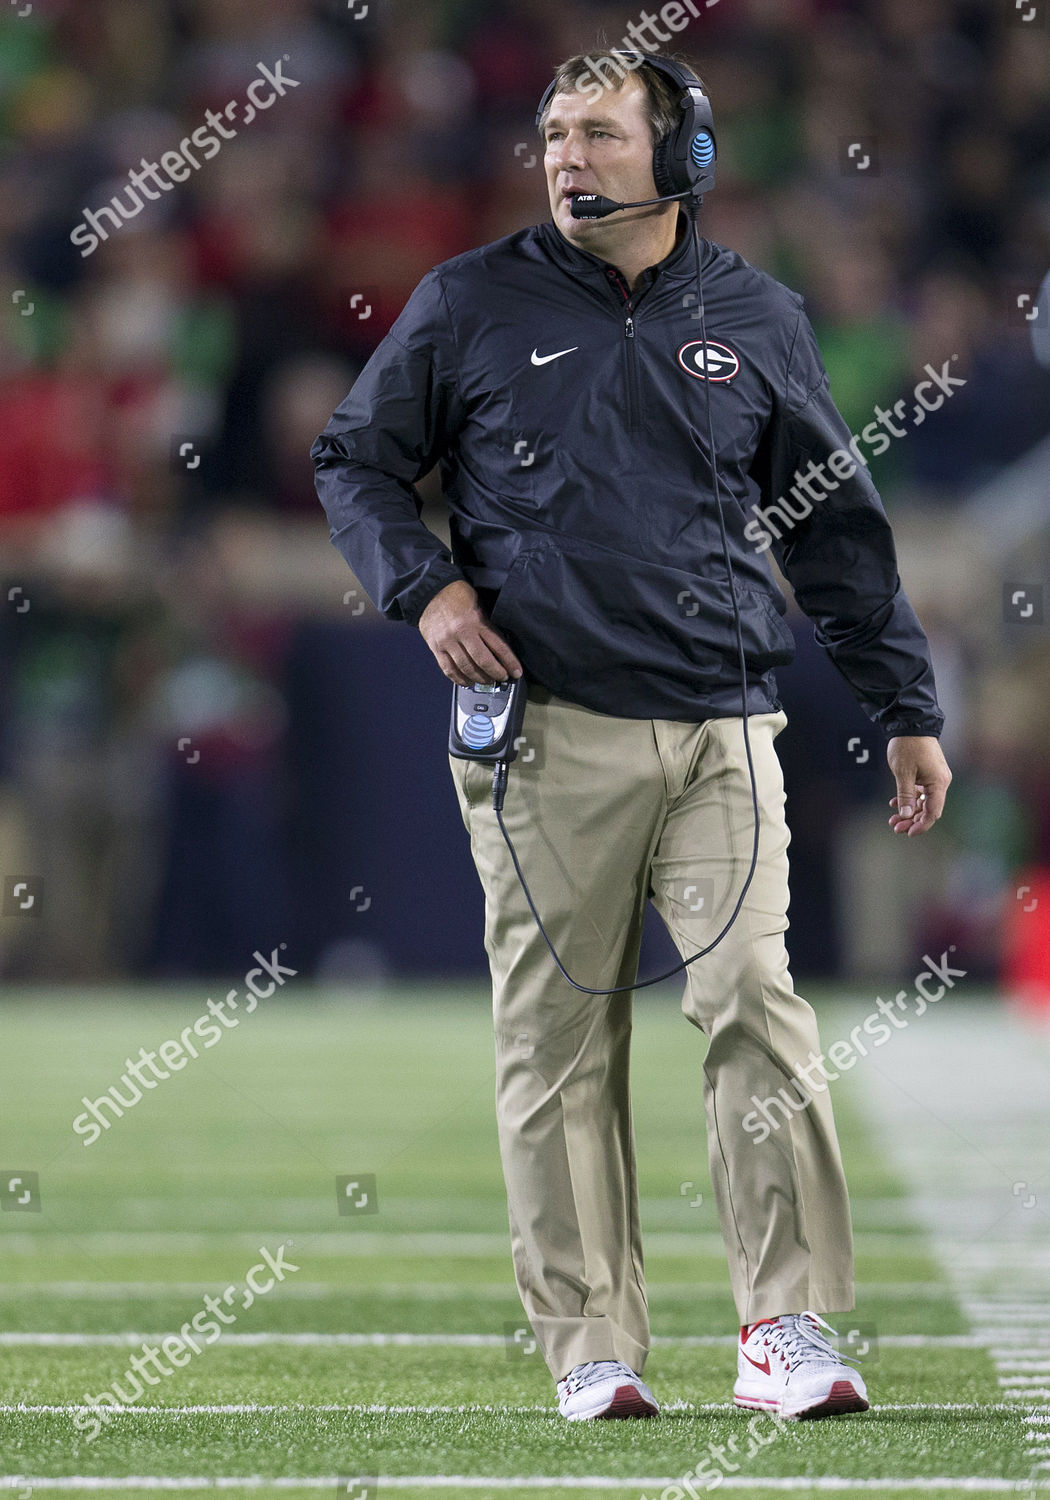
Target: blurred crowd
{"type": "Point", "coordinates": [163, 559]}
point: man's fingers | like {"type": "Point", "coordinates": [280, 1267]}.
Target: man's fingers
{"type": "Point", "coordinates": [466, 647]}
{"type": "Point", "coordinates": [485, 663]}
{"type": "Point", "coordinates": [475, 662]}
{"type": "Point", "coordinates": [922, 777]}
{"type": "Point", "coordinates": [898, 822]}
{"type": "Point", "coordinates": [927, 808]}
{"type": "Point", "coordinates": [469, 670]}
{"type": "Point", "coordinates": [907, 798]}
{"type": "Point", "coordinates": [509, 664]}
{"type": "Point", "coordinates": [935, 795]}
{"type": "Point", "coordinates": [453, 672]}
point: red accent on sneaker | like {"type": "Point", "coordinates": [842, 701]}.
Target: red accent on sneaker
{"type": "Point", "coordinates": [629, 1402]}
{"type": "Point", "coordinates": [841, 1399]}
{"type": "Point", "coordinates": [747, 1328]}
{"type": "Point", "coordinates": [763, 1367]}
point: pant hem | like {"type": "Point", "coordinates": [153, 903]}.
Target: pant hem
{"type": "Point", "coordinates": [819, 1299]}
{"type": "Point", "coordinates": [586, 1347]}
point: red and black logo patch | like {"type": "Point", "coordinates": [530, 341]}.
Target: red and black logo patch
{"type": "Point", "coordinates": [711, 361]}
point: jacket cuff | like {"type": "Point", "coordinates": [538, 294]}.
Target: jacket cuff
{"type": "Point", "coordinates": [931, 727]}
{"type": "Point", "coordinates": [438, 577]}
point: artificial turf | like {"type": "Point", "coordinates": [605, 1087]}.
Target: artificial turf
{"type": "Point", "coordinates": [243, 1148]}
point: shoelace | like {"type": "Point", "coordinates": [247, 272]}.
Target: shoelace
{"type": "Point", "coordinates": [798, 1336]}
{"type": "Point", "coordinates": [597, 1369]}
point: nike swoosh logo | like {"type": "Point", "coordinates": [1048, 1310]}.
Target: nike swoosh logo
{"type": "Point", "coordinates": [545, 359]}
{"type": "Point", "coordinates": [764, 1366]}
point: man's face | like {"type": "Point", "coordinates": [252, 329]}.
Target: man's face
{"type": "Point", "coordinates": [599, 146]}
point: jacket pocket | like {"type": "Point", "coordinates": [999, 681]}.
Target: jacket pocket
{"type": "Point", "coordinates": [518, 613]}
{"type": "Point", "coordinates": [585, 619]}
{"type": "Point", "coordinates": [779, 633]}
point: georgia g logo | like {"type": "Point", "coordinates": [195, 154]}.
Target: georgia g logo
{"type": "Point", "coordinates": [714, 362]}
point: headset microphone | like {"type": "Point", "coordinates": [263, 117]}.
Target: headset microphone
{"type": "Point", "coordinates": [594, 206]}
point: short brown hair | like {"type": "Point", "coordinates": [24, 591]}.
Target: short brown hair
{"type": "Point", "coordinates": [663, 110]}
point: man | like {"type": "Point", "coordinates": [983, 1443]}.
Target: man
{"type": "Point", "coordinates": [559, 379]}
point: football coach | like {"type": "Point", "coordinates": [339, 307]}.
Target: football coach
{"type": "Point", "coordinates": [558, 379]}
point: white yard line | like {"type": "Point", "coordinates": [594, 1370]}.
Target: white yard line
{"type": "Point", "coordinates": [958, 1485]}
{"type": "Point", "coordinates": [365, 1242]}
{"type": "Point", "coordinates": [251, 1408]}
{"type": "Point", "coordinates": [408, 1216]}
{"type": "Point", "coordinates": [45, 1340]}
{"type": "Point", "coordinates": [444, 1291]}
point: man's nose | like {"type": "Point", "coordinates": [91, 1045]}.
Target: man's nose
{"type": "Point", "coordinates": [568, 153]}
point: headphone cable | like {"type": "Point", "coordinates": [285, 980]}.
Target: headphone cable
{"type": "Point", "coordinates": [499, 777]}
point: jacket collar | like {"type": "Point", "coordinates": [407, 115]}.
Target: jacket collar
{"type": "Point", "coordinates": [678, 265]}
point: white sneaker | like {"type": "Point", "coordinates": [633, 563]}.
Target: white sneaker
{"type": "Point", "coordinates": [786, 1366]}
{"type": "Point", "coordinates": [604, 1388]}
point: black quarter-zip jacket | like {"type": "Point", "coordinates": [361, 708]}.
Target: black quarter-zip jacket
{"type": "Point", "coordinates": [568, 419]}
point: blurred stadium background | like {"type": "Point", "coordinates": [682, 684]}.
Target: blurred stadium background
{"type": "Point", "coordinates": [210, 744]}
{"type": "Point", "coordinates": [207, 738]}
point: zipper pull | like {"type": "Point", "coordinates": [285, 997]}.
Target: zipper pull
{"type": "Point", "coordinates": [629, 328]}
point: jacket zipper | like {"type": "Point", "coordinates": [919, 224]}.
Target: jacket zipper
{"type": "Point", "coordinates": [632, 371]}
{"type": "Point", "coordinates": [632, 358]}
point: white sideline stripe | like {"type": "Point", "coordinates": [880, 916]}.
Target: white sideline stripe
{"type": "Point", "coordinates": [438, 1340]}
{"type": "Point", "coordinates": [1039, 1322]}
{"type": "Point", "coordinates": [24, 1408]}
{"type": "Point", "coordinates": [1008, 1310]}
{"type": "Point", "coordinates": [441, 1290]}
{"type": "Point", "coordinates": [1002, 1287]}
{"type": "Point", "coordinates": [997, 1304]}
{"type": "Point", "coordinates": [968, 1484]}
{"type": "Point", "coordinates": [370, 1242]}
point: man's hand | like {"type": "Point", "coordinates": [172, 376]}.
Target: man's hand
{"type": "Point", "coordinates": [922, 776]}
{"type": "Point", "coordinates": [465, 645]}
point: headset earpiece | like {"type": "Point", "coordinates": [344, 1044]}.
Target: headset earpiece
{"type": "Point", "coordinates": [663, 175]}
{"type": "Point", "coordinates": [684, 161]}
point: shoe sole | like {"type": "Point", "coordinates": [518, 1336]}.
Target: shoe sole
{"type": "Point", "coordinates": [626, 1402]}
{"type": "Point", "coordinates": [842, 1399]}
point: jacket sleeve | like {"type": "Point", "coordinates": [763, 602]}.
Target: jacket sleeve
{"type": "Point", "coordinates": [392, 428]}
{"type": "Point", "coordinates": [839, 555]}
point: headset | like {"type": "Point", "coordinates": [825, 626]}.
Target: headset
{"type": "Point", "coordinates": [487, 718]}
{"type": "Point", "coordinates": [684, 161]}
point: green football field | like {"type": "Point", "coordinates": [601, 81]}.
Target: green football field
{"type": "Point", "coordinates": [393, 1360]}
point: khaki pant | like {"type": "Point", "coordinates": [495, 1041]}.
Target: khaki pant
{"type": "Point", "coordinates": [606, 813]}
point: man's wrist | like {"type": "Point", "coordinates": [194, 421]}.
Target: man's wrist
{"type": "Point", "coordinates": [437, 579]}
